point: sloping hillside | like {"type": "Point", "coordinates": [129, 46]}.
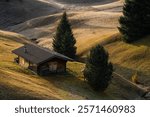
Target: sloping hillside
{"type": "Point", "coordinates": [127, 58]}
{"type": "Point", "coordinates": [93, 20]}
{"type": "Point", "coordinates": [15, 12]}
{"type": "Point", "coordinates": [19, 83]}
{"type": "Point", "coordinates": [13, 36]}
{"type": "Point", "coordinates": [132, 58]}
{"type": "Point", "coordinates": [85, 2]}
{"type": "Point", "coordinates": [92, 24]}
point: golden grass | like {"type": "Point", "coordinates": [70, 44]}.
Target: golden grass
{"type": "Point", "coordinates": [127, 58]}
{"type": "Point", "coordinates": [132, 58]}
{"type": "Point", "coordinates": [135, 56]}
{"type": "Point", "coordinates": [19, 83]}
{"type": "Point", "coordinates": [84, 45]}
{"type": "Point", "coordinates": [5, 35]}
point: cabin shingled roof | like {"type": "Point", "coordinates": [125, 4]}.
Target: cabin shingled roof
{"type": "Point", "coordinates": [36, 54]}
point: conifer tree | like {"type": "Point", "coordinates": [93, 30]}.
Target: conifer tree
{"type": "Point", "coordinates": [134, 23]}
{"type": "Point", "coordinates": [64, 41]}
{"type": "Point", "coordinates": [98, 70]}
{"type": "Point", "coordinates": [147, 16]}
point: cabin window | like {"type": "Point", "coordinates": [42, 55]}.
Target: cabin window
{"type": "Point", "coordinates": [52, 66]}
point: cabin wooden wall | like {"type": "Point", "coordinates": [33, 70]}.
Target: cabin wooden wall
{"type": "Point", "coordinates": [33, 67]}
{"type": "Point", "coordinates": [23, 62]}
{"type": "Point", "coordinates": [52, 66]}
{"type": "Point", "coordinates": [61, 64]}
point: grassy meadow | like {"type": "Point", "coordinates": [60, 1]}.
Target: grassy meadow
{"type": "Point", "coordinates": [19, 83]}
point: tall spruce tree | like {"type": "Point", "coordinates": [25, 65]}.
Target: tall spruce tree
{"type": "Point", "coordinates": [64, 41]}
{"type": "Point", "coordinates": [134, 24]}
{"type": "Point", "coordinates": [147, 16]}
{"type": "Point", "coordinates": [98, 70]}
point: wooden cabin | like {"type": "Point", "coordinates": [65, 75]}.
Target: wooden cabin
{"type": "Point", "coordinates": [41, 60]}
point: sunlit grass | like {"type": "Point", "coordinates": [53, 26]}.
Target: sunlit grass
{"type": "Point", "coordinates": [17, 82]}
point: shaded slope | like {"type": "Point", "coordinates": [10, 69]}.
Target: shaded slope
{"type": "Point", "coordinates": [14, 12]}
{"type": "Point", "coordinates": [13, 36]}
{"type": "Point", "coordinates": [93, 22]}
{"type": "Point", "coordinates": [85, 2]}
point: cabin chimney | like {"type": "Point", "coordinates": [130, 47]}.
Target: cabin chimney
{"type": "Point", "coordinates": [25, 49]}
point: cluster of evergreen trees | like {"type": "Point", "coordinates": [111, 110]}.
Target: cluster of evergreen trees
{"type": "Point", "coordinates": [98, 70]}
{"type": "Point", "coordinates": [135, 22]}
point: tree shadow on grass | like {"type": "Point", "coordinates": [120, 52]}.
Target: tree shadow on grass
{"type": "Point", "coordinates": [79, 23]}
{"type": "Point", "coordinates": [128, 73]}
{"type": "Point", "coordinates": [75, 86]}
{"type": "Point", "coordinates": [14, 93]}
{"type": "Point", "coordinates": [143, 42]}
{"type": "Point", "coordinates": [119, 88]}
